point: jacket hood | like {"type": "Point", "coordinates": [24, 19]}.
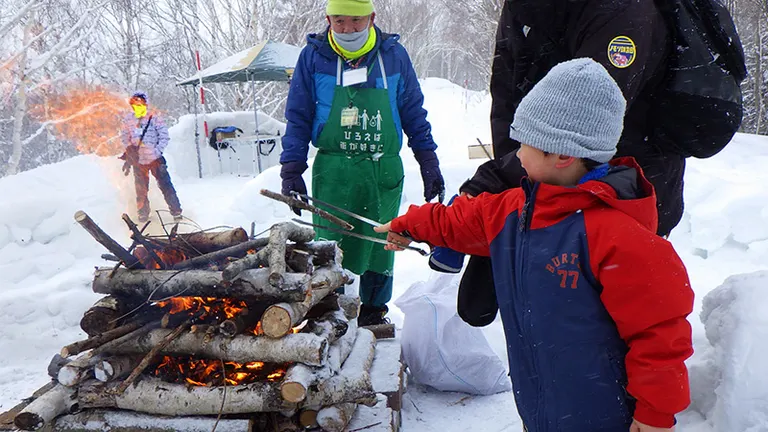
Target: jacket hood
{"type": "Point", "coordinates": [623, 188]}
{"type": "Point", "coordinates": [319, 41]}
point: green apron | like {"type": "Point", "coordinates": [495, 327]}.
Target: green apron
{"type": "Point", "coordinates": [358, 168]}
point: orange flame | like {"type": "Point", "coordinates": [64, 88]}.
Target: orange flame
{"type": "Point", "coordinates": [89, 117]}
{"type": "Point", "coordinates": [211, 307]}
{"type": "Point", "coordinates": [202, 372]}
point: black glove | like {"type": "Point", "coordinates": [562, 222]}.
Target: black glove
{"type": "Point", "coordinates": [291, 173]}
{"type": "Point", "coordinates": [131, 158]}
{"type": "Point", "coordinates": [434, 185]}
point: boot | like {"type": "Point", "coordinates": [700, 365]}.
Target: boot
{"type": "Point", "coordinates": [372, 315]}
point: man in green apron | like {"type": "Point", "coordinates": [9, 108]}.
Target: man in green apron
{"type": "Point", "coordinates": [353, 94]}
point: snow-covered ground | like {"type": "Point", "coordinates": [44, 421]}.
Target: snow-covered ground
{"type": "Point", "coordinates": [46, 264]}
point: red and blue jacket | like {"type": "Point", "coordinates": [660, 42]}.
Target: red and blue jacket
{"type": "Point", "coordinates": [593, 303]}
{"type": "Point", "coordinates": [314, 82]}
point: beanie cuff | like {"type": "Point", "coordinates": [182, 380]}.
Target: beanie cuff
{"type": "Point", "coordinates": [541, 136]}
{"type": "Point", "coordinates": [349, 8]}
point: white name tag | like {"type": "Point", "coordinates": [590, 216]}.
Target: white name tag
{"type": "Point", "coordinates": [355, 76]}
{"type": "Point", "coordinates": [350, 117]}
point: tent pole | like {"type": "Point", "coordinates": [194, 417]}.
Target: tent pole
{"type": "Point", "coordinates": [197, 142]}
{"type": "Point", "coordinates": [256, 116]}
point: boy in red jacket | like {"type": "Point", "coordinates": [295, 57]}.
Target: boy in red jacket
{"type": "Point", "coordinates": [593, 302]}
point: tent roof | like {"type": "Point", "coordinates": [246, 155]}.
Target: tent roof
{"type": "Point", "coordinates": [266, 61]}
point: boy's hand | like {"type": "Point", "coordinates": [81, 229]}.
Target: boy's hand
{"type": "Point", "coordinates": [395, 240]}
{"type": "Point", "coordinates": [636, 426]}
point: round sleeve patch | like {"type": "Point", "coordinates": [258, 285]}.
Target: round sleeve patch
{"type": "Point", "coordinates": [622, 51]}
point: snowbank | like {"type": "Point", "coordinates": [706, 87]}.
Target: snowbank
{"type": "Point", "coordinates": [736, 323]}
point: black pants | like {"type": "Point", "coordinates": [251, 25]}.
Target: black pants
{"type": "Point", "coordinates": [159, 170]}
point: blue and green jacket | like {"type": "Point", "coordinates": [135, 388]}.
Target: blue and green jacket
{"type": "Point", "coordinates": [314, 81]}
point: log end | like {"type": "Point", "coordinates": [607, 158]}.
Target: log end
{"type": "Point", "coordinates": [308, 418]}
{"type": "Point", "coordinates": [276, 279]}
{"type": "Point", "coordinates": [293, 392]}
{"type": "Point", "coordinates": [28, 421]}
{"type": "Point", "coordinates": [80, 216]}
{"type": "Point", "coordinates": [276, 322]}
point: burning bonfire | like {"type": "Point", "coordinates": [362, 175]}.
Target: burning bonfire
{"type": "Point", "coordinates": [216, 324]}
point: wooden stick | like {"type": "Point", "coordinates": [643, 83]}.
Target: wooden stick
{"type": "Point", "coordinates": [151, 356]}
{"type": "Point", "coordinates": [116, 343]}
{"type": "Point", "coordinates": [98, 340]}
{"type": "Point", "coordinates": [105, 240]}
{"type": "Point", "coordinates": [293, 202]}
{"type": "Point", "coordinates": [204, 242]}
{"type": "Point", "coordinates": [76, 371]}
{"type": "Point", "coordinates": [237, 251]}
{"type": "Point", "coordinates": [139, 238]}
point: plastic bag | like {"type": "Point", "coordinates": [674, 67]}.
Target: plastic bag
{"type": "Point", "coordinates": [440, 349]}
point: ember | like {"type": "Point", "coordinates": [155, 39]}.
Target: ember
{"type": "Point", "coordinates": [212, 308]}
{"type": "Point", "coordinates": [208, 373]}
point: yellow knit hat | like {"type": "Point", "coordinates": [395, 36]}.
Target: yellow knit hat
{"type": "Point", "coordinates": [349, 7]}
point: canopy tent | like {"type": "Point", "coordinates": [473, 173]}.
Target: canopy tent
{"type": "Point", "coordinates": [266, 61]}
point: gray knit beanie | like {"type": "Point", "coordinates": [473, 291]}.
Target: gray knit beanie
{"type": "Point", "coordinates": [576, 110]}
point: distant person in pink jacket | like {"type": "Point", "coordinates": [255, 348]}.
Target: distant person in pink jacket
{"type": "Point", "coordinates": [145, 137]}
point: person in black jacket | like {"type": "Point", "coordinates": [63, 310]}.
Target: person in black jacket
{"type": "Point", "coordinates": [630, 39]}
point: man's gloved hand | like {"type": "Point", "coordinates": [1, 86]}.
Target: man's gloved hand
{"type": "Point", "coordinates": [291, 173]}
{"type": "Point", "coordinates": [434, 185]}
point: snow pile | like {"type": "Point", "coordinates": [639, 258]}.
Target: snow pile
{"type": "Point", "coordinates": [737, 327]}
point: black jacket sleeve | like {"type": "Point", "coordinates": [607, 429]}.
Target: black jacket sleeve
{"type": "Point", "coordinates": [495, 176]}
{"type": "Point", "coordinates": [504, 99]}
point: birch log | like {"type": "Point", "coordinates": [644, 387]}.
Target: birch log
{"type": "Point", "coordinates": [300, 347]}
{"type": "Point", "coordinates": [336, 418]}
{"type": "Point", "coordinates": [350, 305]}
{"type": "Point", "coordinates": [300, 377]}
{"type": "Point", "coordinates": [76, 371]}
{"type": "Point", "coordinates": [47, 407]}
{"type": "Point", "coordinates": [204, 242]}
{"type": "Point", "coordinates": [253, 284]}
{"type": "Point", "coordinates": [102, 316]}
{"type": "Point", "coordinates": [115, 368]}
{"type": "Point", "coordinates": [153, 396]}
{"type": "Point", "coordinates": [353, 383]}
{"type": "Point", "coordinates": [279, 319]}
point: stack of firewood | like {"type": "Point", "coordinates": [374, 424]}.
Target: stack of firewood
{"type": "Point", "coordinates": [216, 324]}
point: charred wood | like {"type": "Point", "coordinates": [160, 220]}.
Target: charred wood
{"type": "Point", "coordinates": [105, 240]}
{"type": "Point", "coordinates": [237, 251]}
{"type": "Point", "coordinates": [103, 315]}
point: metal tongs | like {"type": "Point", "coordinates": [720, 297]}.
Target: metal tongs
{"type": "Point", "coordinates": [318, 203]}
